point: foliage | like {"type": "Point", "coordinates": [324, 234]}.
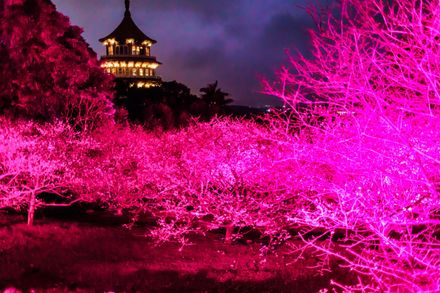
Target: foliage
{"type": "Point", "coordinates": [172, 105]}
{"type": "Point", "coordinates": [215, 98]}
{"type": "Point", "coordinates": [366, 111]}
{"type": "Point", "coordinates": [210, 171]}
{"type": "Point", "coordinates": [33, 161]}
{"type": "Point", "coordinates": [169, 106]}
{"type": "Point", "coordinates": [219, 175]}
{"type": "Point", "coordinates": [48, 70]}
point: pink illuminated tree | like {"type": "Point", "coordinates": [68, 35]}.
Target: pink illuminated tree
{"type": "Point", "coordinates": [34, 159]}
{"type": "Point", "coordinates": [365, 109]}
{"type": "Point", "coordinates": [48, 70]}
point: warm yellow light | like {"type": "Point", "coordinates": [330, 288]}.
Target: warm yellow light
{"type": "Point", "coordinates": [130, 64]}
{"type": "Point", "coordinates": [110, 42]}
{"type": "Point", "coordinates": [138, 64]}
{"type": "Point", "coordinates": [123, 64]}
{"type": "Point", "coordinates": [153, 65]}
{"type": "Point", "coordinates": [129, 41]}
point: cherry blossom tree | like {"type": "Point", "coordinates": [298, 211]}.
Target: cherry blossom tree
{"type": "Point", "coordinates": [33, 160]}
{"type": "Point", "coordinates": [365, 113]}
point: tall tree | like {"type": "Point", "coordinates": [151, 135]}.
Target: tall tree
{"type": "Point", "coordinates": [215, 98]}
{"type": "Point", "coordinates": [48, 70]}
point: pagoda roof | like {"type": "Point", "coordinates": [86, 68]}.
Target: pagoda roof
{"type": "Point", "coordinates": [127, 29]}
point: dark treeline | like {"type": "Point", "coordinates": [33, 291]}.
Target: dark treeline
{"type": "Point", "coordinates": [170, 105]}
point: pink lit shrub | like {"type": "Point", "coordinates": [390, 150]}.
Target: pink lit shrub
{"type": "Point", "coordinates": [366, 113]}
{"type": "Point", "coordinates": [218, 174]}
{"type": "Point", "coordinates": [33, 160]}
{"type": "Point", "coordinates": [221, 175]}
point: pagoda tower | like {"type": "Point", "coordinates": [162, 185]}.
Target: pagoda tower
{"type": "Point", "coordinates": [128, 54]}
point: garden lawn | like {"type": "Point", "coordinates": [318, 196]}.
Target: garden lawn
{"type": "Point", "coordinates": [93, 252]}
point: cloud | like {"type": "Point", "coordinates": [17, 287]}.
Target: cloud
{"type": "Point", "coordinates": [208, 11]}
{"type": "Point", "coordinates": [200, 41]}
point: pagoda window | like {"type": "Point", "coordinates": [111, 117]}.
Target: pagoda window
{"type": "Point", "coordinates": [142, 51]}
{"type": "Point", "coordinates": [148, 51]}
{"type": "Point", "coordinates": [110, 50]}
{"type": "Point", "coordinates": [134, 72]}
{"type": "Point", "coordinates": [136, 50]}
{"type": "Point", "coordinates": [141, 72]}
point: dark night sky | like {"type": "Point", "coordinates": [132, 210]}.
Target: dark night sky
{"type": "Point", "coordinates": [200, 41]}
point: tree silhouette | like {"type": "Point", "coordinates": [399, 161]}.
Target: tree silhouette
{"type": "Point", "coordinates": [215, 98]}
{"type": "Point", "coordinates": [48, 70]}
{"type": "Point", "coordinates": [168, 106]}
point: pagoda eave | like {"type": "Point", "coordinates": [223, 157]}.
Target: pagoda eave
{"type": "Point", "coordinates": [134, 58]}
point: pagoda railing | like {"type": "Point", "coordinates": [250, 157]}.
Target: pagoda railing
{"type": "Point", "coordinates": [136, 76]}
{"type": "Point", "coordinates": [129, 55]}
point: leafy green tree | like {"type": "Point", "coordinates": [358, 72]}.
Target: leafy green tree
{"type": "Point", "coordinates": [48, 70]}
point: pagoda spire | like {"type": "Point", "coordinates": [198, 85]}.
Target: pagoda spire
{"type": "Point", "coordinates": [127, 6]}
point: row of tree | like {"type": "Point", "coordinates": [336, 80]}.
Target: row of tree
{"type": "Point", "coordinates": [170, 105]}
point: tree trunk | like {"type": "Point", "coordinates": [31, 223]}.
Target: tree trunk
{"type": "Point", "coordinates": [229, 232]}
{"type": "Point", "coordinates": [31, 210]}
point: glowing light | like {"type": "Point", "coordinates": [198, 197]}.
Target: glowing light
{"type": "Point", "coordinates": [110, 42]}
{"type": "Point", "coordinates": [153, 65]}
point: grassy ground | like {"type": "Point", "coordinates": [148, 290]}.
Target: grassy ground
{"type": "Point", "coordinates": [97, 254]}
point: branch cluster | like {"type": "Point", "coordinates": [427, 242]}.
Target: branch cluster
{"type": "Point", "coordinates": [367, 104]}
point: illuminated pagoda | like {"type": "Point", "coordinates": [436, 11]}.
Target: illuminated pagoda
{"type": "Point", "coordinates": [128, 54]}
